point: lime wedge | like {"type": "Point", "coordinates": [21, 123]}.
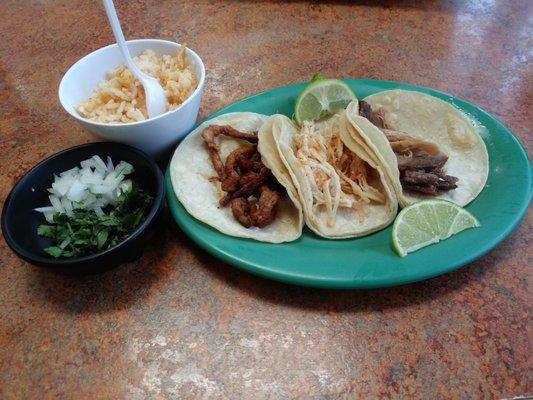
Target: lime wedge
{"type": "Point", "coordinates": [322, 97]}
{"type": "Point", "coordinates": [428, 222]}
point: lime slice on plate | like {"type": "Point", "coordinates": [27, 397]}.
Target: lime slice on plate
{"type": "Point", "coordinates": [428, 222]}
{"type": "Point", "coordinates": [322, 97]}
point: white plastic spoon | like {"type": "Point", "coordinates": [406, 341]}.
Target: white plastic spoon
{"type": "Point", "coordinates": [156, 99]}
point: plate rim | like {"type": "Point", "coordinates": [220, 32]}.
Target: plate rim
{"type": "Point", "coordinates": [336, 283]}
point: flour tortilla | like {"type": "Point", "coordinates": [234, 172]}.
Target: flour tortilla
{"type": "Point", "coordinates": [191, 170]}
{"type": "Point", "coordinates": [348, 223]}
{"type": "Point", "coordinates": [426, 117]}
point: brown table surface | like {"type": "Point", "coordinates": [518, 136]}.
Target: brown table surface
{"type": "Point", "coordinates": [181, 324]}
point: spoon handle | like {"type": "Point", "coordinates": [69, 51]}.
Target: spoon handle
{"type": "Point", "coordinates": [119, 36]}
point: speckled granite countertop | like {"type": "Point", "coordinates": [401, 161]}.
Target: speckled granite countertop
{"type": "Point", "coordinates": [179, 323]}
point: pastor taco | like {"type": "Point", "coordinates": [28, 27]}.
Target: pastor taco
{"type": "Point", "coordinates": [224, 179]}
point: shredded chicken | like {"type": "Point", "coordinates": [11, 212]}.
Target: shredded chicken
{"type": "Point", "coordinates": [337, 177]}
{"type": "Point", "coordinates": [353, 172]}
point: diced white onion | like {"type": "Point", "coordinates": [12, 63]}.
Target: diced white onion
{"type": "Point", "coordinates": [123, 168]}
{"type": "Point", "coordinates": [92, 187]}
{"type": "Point", "coordinates": [49, 216]}
{"type": "Point", "coordinates": [61, 185]}
{"type": "Point", "coordinates": [100, 189]}
{"type": "Point", "coordinates": [70, 172]}
{"type": "Point", "coordinates": [87, 164]}
{"type": "Point", "coordinates": [99, 165]}
{"type": "Point", "coordinates": [77, 191]}
{"type": "Point", "coordinates": [67, 205]}
{"type": "Point", "coordinates": [44, 209]}
{"type": "Point", "coordinates": [125, 186]}
{"type": "Point", "coordinates": [110, 164]}
{"type": "Point", "coordinates": [56, 203]}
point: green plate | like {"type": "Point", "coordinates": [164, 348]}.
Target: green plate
{"type": "Point", "coordinates": [370, 261]}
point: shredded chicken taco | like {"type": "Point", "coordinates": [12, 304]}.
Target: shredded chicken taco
{"type": "Point", "coordinates": [429, 148]}
{"type": "Point", "coordinates": [342, 189]}
{"type": "Point", "coordinates": [227, 174]}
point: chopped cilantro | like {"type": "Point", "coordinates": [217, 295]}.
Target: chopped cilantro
{"type": "Point", "coordinates": [86, 233]}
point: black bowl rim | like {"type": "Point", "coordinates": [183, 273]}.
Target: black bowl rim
{"type": "Point", "coordinates": [61, 262]}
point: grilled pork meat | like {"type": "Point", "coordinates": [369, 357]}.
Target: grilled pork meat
{"type": "Point", "coordinates": [249, 186]}
{"type": "Point", "coordinates": [250, 182]}
{"type": "Point", "coordinates": [233, 161]}
{"type": "Point", "coordinates": [240, 207]}
{"type": "Point", "coordinates": [227, 130]}
{"type": "Point", "coordinates": [263, 211]}
{"type": "Point", "coordinates": [208, 135]}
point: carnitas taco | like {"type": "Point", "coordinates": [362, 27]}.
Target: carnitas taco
{"type": "Point", "coordinates": [224, 179]}
{"type": "Point", "coordinates": [429, 148]}
{"type": "Point", "coordinates": [342, 189]}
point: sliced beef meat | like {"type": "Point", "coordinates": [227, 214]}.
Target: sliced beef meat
{"type": "Point", "coordinates": [377, 117]}
{"type": "Point", "coordinates": [422, 172]}
{"type": "Point", "coordinates": [446, 182]}
{"type": "Point", "coordinates": [403, 143]}
{"type": "Point", "coordinates": [431, 190]}
{"type": "Point", "coordinates": [365, 110]}
{"type": "Point", "coordinates": [420, 162]}
{"type": "Point", "coordinates": [420, 178]}
{"type": "Point", "coordinates": [428, 182]}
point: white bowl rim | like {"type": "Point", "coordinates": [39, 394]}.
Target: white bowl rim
{"type": "Point", "coordinates": [199, 86]}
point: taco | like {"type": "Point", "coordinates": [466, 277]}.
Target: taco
{"type": "Point", "coordinates": [343, 191]}
{"type": "Point", "coordinates": [223, 178]}
{"type": "Point", "coordinates": [429, 148]}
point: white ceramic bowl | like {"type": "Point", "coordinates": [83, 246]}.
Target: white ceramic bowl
{"type": "Point", "coordinates": [156, 136]}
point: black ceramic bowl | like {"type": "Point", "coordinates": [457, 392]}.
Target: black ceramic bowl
{"type": "Point", "coordinates": [20, 221]}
